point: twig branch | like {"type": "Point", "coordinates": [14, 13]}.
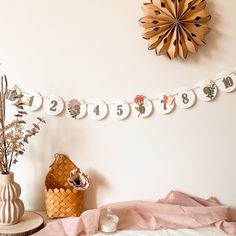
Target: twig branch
{"type": "Point", "coordinates": [3, 104]}
{"type": "Point", "coordinates": [12, 135]}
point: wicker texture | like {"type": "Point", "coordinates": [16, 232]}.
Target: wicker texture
{"type": "Point", "coordinates": [61, 199]}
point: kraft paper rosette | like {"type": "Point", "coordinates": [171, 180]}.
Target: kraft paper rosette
{"type": "Point", "coordinates": [175, 27]}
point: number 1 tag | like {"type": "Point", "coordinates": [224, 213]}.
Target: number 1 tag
{"type": "Point", "coordinates": [33, 100]}
{"type": "Point", "coordinates": [120, 109]}
{"type": "Point", "coordinates": [97, 109]}
{"type": "Point", "coordinates": [54, 105]}
{"type": "Point", "coordinates": [226, 82]}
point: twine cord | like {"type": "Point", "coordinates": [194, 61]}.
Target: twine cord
{"type": "Point", "coordinates": [128, 102]}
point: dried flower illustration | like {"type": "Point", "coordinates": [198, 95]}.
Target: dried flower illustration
{"type": "Point", "coordinates": [74, 108]}
{"type": "Point", "coordinates": [139, 100]}
{"type": "Point", "coordinates": [14, 135]}
{"type": "Point", "coordinates": [168, 100]}
{"type": "Point", "coordinates": [210, 90]}
{"type": "Point", "coordinates": [175, 27]}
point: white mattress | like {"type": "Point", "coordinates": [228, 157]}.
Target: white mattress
{"type": "Point", "coordinates": [210, 231]}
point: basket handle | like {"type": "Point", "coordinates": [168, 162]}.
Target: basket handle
{"type": "Point", "coordinates": [56, 156]}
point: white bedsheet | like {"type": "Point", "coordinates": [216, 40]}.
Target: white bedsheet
{"type": "Point", "coordinates": [210, 231]}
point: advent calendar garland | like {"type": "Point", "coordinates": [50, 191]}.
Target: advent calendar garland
{"type": "Point", "coordinates": [141, 105]}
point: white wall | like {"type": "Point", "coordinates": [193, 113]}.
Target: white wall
{"type": "Point", "coordinates": [94, 49]}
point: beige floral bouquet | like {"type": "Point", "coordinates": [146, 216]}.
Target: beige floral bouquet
{"type": "Point", "coordinates": [13, 135]}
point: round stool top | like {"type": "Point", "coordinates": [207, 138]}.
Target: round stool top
{"type": "Point", "coordinates": [30, 223]}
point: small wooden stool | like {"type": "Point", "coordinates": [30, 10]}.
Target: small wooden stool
{"type": "Point", "coordinates": [30, 223]}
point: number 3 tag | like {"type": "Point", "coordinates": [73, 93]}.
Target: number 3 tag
{"type": "Point", "coordinates": [54, 105]}
{"type": "Point", "coordinates": [97, 109]}
{"type": "Point", "coordinates": [120, 109]}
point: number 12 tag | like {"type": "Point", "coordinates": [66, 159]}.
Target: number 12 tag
{"type": "Point", "coordinates": [97, 109]}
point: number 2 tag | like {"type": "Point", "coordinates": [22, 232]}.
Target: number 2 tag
{"type": "Point", "coordinates": [226, 82]}
{"type": "Point", "coordinates": [54, 105]}
{"type": "Point", "coordinates": [97, 109]}
{"type": "Point", "coordinates": [120, 109]}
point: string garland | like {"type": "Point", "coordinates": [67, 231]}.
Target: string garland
{"type": "Point", "coordinates": [141, 105]}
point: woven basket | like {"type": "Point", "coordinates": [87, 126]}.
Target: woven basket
{"type": "Point", "coordinates": [61, 199]}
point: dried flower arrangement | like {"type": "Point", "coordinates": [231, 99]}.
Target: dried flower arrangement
{"type": "Point", "coordinates": [13, 136]}
{"type": "Point", "coordinates": [79, 180]}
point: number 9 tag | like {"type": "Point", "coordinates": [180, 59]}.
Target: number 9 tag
{"type": "Point", "coordinates": [54, 105]}
{"type": "Point", "coordinates": [97, 109]}
{"type": "Point", "coordinates": [120, 109]}
{"type": "Point", "coordinates": [207, 91]}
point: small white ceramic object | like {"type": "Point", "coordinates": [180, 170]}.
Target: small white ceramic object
{"type": "Point", "coordinates": [109, 222]}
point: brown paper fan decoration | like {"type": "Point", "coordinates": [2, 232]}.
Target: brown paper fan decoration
{"type": "Point", "coordinates": [175, 27]}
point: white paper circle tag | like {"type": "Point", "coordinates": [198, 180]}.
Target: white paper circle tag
{"type": "Point", "coordinates": [54, 105]}
{"type": "Point", "coordinates": [185, 97]}
{"type": "Point", "coordinates": [165, 103]}
{"type": "Point", "coordinates": [207, 92]}
{"type": "Point", "coordinates": [77, 108]}
{"type": "Point", "coordinates": [143, 110]}
{"type": "Point", "coordinates": [226, 81]}
{"type": "Point", "coordinates": [120, 109]}
{"type": "Point", "coordinates": [97, 109]}
{"type": "Point", "coordinates": [33, 100]}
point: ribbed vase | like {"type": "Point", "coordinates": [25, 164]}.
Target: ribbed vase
{"type": "Point", "coordinates": [11, 207]}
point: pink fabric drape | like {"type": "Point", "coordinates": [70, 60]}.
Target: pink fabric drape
{"type": "Point", "coordinates": [177, 210]}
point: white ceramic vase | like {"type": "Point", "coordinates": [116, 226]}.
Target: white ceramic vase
{"type": "Point", "coordinates": [11, 207]}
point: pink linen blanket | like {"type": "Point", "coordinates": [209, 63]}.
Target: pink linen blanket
{"type": "Point", "coordinates": [177, 210]}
